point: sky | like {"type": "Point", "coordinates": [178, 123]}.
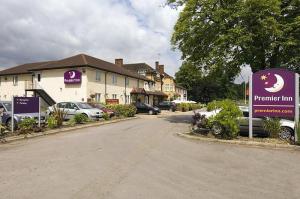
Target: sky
{"type": "Point", "coordinates": [135, 30]}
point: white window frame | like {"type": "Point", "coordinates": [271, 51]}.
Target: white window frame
{"type": "Point", "coordinates": [98, 97]}
{"type": "Point", "coordinates": [98, 75]}
{"type": "Point", "coordinates": [114, 79]}
{"type": "Point", "coordinates": [15, 80]}
{"type": "Point", "coordinates": [127, 81]}
{"type": "Point", "coordinates": [114, 96]}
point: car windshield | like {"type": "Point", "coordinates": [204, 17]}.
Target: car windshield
{"type": "Point", "coordinates": [7, 105]}
{"type": "Point", "coordinates": [84, 106]}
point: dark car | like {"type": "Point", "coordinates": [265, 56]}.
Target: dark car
{"type": "Point", "coordinates": [6, 115]}
{"type": "Point", "coordinates": [146, 108]}
{"type": "Point", "coordinates": [167, 105]}
{"type": "Point", "coordinates": [108, 111]}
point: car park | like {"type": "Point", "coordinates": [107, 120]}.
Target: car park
{"type": "Point", "coordinates": [73, 108]}
{"type": "Point", "coordinates": [287, 126]}
{"type": "Point", "coordinates": [6, 115]}
{"type": "Point", "coordinates": [106, 110]}
{"type": "Point", "coordinates": [167, 105]}
{"type": "Point", "coordinates": [146, 108]}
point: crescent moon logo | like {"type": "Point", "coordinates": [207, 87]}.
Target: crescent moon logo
{"type": "Point", "coordinates": [278, 86]}
{"type": "Point", "coordinates": [72, 74]}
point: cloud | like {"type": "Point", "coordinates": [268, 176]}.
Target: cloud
{"type": "Point", "coordinates": [135, 30]}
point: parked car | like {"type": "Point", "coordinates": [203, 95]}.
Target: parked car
{"type": "Point", "coordinates": [73, 108]}
{"type": "Point", "coordinates": [6, 115]}
{"type": "Point", "coordinates": [146, 108]}
{"type": "Point", "coordinates": [287, 126]}
{"type": "Point", "coordinates": [108, 111]}
{"type": "Point", "coordinates": [167, 105]}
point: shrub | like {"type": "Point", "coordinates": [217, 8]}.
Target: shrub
{"type": "Point", "coordinates": [227, 117]}
{"type": "Point", "coordinates": [297, 131]}
{"type": "Point", "coordinates": [105, 116]}
{"type": "Point", "coordinates": [272, 126]}
{"type": "Point", "coordinates": [2, 131]}
{"type": "Point", "coordinates": [51, 122]}
{"type": "Point", "coordinates": [183, 107]}
{"type": "Point", "coordinates": [123, 110]}
{"type": "Point", "coordinates": [27, 125]}
{"type": "Point", "coordinates": [80, 118]}
{"type": "Point", "coordinates": [59, 115]}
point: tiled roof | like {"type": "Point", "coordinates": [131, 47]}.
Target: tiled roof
{"type": "Point", "coordinates": [74, 61]}
{"type": "Point", "coordinates": [139, 66]}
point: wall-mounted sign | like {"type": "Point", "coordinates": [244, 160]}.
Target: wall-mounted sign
{"type": "Point", "coordinates": [26, 105]}
{"type": "Point", "coordinates": [112, 101]}
{"type": "Point", "coordinates": [273, 93]}
{"type": "Point", "coordinates": [72, 77]}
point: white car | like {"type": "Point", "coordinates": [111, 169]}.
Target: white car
{"type": "Point", "coordinates": [73, 108]}
{"type": "Point", "coordinates": [287, 126]}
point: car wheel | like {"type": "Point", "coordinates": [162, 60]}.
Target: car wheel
{"type": "Point", "coordinates": [85, 116]}
{"type": "Point", "coordinates": [286, 133]}
{"type": "Point", "coordinates": [217, 129]}
{"type": "Point", "coordinates": [9, 123]}
{"type": "Point", "coordinates": [150, 112]}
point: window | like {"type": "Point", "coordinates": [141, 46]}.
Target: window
{"type": "Point", "coordinates": [142, 72]}
{"type": "Point", "coordinates": [114, 96]}
{"type": "Point", "coordinates": [127, 99]}
{"type": "Point", "coordinates": [171, 87]}
{"type": "Point", "coordinates": [15, 80]}
{"type": "Point", "coordinates": [98, 97]}
{"type": "Point", "coordinates": [126, 81]}
{"type": "Point", "coordinates": [61, 105]}
{"type": "Point", "coordinates": [98, 76]}
{"type": "Point", "coordinates": [167, 87]}
{"type": "Point", "coordinates": [39, 77]}
{"type": "Point", "coordinates": [114, 79]}
{"type": "Point", "coordinates": [72, 106]}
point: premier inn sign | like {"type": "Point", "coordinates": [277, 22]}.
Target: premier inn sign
{"type": "Point", "coordinates": [273, 93]}
{"type": "Point", "coordinates": [72, 77]}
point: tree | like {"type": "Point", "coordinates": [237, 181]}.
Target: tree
{"type": "Point", "coordinates": [228, 34]}
{"type": "Point", "coordinates": [205, 87]}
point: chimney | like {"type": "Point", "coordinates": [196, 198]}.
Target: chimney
{"type": "Point", "coordinates": [157, 65]}
{"type": "Point", "coordinates": [161, 69]}
{"type": "Point", "coordinates": [119, 62]}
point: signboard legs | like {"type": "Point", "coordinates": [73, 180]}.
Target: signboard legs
{"type": "Point", "coordinates": [296, 104]}
{"type": "Point", "coordinates": [39, 112]}
{"type": "Point", "coordinates": [12, 122]}
{"type": "Point", "coordinates": [250, 108]}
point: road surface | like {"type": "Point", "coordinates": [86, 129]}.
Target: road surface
{"type": "Point", "coordinates": [141, 159]}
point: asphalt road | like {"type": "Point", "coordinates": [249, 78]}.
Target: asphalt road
{"type": "Point", "coordinates": [142, 159]}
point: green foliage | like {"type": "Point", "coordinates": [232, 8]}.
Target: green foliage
{"type": "Point", "coordinates": [27, 125]}
{"type": "Point", "coordinates": [227, 117]}
{"type": "Point", "coordinates": [272, 126]}
{"type": "Point", "coordinates": [188, 107]}
{"type": "Point", "coordinates": [80, 118]}
{"type": "Point", "coordinates": [215, 84]}
{"type": "Point", "coordinates": [105, 116]}
{"type": "Point", "coordinates": [228, 34]}
{"type": "Point", "coordinates": [51, 122]}
{"type": "Point", "coordinates": [59, 115]}
{"type": "Point", "coordinates": [297, 130]}
{"type": "Point", "coordinates": [123, 110]}
{"type": "Point", "coordinates": [2, 131]}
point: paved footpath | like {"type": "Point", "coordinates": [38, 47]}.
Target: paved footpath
{"type": "Point", "coordinates": [141, 159]}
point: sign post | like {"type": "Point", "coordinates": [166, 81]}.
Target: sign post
{"type": "Point", "coordinates": [297, 104]}
{"type": "Point", "coordinates": [12, 122]}
{"type": "Point", "coordinates": [250, 108]}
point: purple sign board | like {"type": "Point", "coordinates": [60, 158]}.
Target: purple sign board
{"type": "Point", "coordinates": [72, 77]}
{"type": "Point", "coordinates": [26, 105]}
{"type": "Point", "coordinates": [273, 93]}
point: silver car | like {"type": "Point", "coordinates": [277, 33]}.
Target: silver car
{"type": "Point", "coordinates": [73, 108]}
